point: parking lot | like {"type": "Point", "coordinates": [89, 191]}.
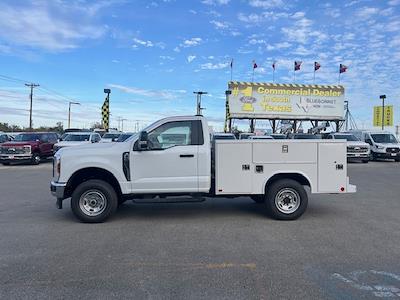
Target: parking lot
{"type": "Point", "coordinates": [344, 247]}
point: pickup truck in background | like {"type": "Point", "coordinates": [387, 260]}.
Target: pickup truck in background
{"type": "Point", "coordinates": [356, 149]}
{"type": "Point", "coordinates": [172, 157]}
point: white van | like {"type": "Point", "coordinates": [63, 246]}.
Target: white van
{"type": "Point", "coordinates": [383, 144]}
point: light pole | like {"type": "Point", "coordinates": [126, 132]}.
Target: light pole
{"type": "Point", "coordinates": [383, 97]}
{"type": "Point", "coordinates": [69, 112]}
{"type": "Point", "coordinates": [199, 108]}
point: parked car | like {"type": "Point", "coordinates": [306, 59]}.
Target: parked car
{"type": "Point", "coordinates": [245, 135]}
{"type": "Point", "coordinates": [279, 136]}
{"type": "Point", "coordinates": [124, 136]}
{"type": "Point", "coordinates": [306, 136]}
{"type": "Point", "coordinates": [356, 150]}
{"type": "Point", "coordinates": [78, 138]}
{"type": "Point", "coordinates": [383, 144]}
{"type": "Point", "coordinates": [4, 137]}
{"type": "Point", "coordinates": [28, 147]}
{"type": "Point", "coordinates": [261, 137]}
{"type": "Point", "coordinates": [70, 130]}
{"type": "Point", "coordinates": [110, 137]}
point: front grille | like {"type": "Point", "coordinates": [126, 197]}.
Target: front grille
{"type": "Point", "coordinates": [355, 149]}
{"type": "Point", "coordinates": [13, 150]}
{"type": "Point", "coordinates": [392, 150]}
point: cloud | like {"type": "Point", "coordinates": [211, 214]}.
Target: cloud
{"type": "Point", "coordinates": [215, 2]}
{"type": "Point", "coordinates": [156, 94]}
{"type": "Point", "coordinates": [266, 3]}
{"type": "Point", "coordinates": [143, 43]}
{"type": "Point", "coordinates": [190, 58]}
{"type": "Point", "coordinates": [50, 27]}
{"type": "Point", "coordinates": [211, 66]}
{"type": "Point", "coordinates": [367, 12]}
{"type": "Point", "coordinates": [192, 42]}
{"type": "Point", "coordinates": [219, 24]}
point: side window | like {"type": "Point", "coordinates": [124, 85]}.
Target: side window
{"type": "Point", "coordinates": [178, 133]}
{"type": "Point", "coordinates": [53, 137]}
{"type": "Point", "coordinates": [96, 138]}
{"type": "Point", "coordinates": [44, 138]}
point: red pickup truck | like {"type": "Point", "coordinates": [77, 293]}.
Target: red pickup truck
{"type": "Point", "coordinates": [28, 147]}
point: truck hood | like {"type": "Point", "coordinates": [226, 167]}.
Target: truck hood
{"type": "Point", "coordinates": [19, 144]}
{"type": "Point", "coordinates": [391, 145]}
{"type": "Point", "coordinates": [357, 144]}
{"type": "Point", "coordinates": [91, 148]}
{"type": "Point", "coordinates": [69, 144]}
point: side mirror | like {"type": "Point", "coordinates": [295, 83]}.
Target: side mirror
{"type": "Point", "coordinates": [143, 141]}
{"type": "Point", "coordinates": [368, 141]}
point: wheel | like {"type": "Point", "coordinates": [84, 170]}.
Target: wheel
{"type": "Point", "coordinates": [365, 161]}
{"type": "Point", "coordinates": [286, 199]}
{"type": "Point", "coordinates": [258, 198]}
{"type": "Point", "coordinates": [35, 160]}
{"type": "Point", "coordinates": [93, 201]}
{"type": "Point", "coordinates": [6, 163]}
{"type": "Point", "coordinates": [397, 159]}
{"type": "Point", "coordinates": [372, 156]}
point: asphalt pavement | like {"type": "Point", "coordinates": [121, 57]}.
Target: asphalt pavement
{"type": "Point", "coordinates": [343, 247]}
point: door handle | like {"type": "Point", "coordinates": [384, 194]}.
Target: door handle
{"type": "Point", "coordinates": [186, 155]}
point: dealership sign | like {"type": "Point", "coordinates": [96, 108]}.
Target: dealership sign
{"type": "Point", "coordinates": [285, 101]}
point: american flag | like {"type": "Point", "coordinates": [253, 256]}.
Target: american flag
{"type": "Point", "coordinates": [342, 68]}
{"type": "Point", "coordinates": [297, 65]}
{"type": "Point", "coordinates": [254, 64]}
{"type": "Point", "coordinates": [274, 65]}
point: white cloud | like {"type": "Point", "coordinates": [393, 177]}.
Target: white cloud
{"type": "Point", "coordinates": [298, 15]}
{"type": "Point", "coordinates": [143, 43]}
{"type": "Point", "coordinates": [219, 24]}
{"type": "Point", "coordinates": [192, 42]}
{"type": "Point", "coordinates": [394, 2]}
{"type": "Point", "coordinates": [157, 94]}
{"type": "Point", "coordinates": [50, 27]}
{"type": "Point", "coordinates": [211, 66]}
{"type": "Point", "coordinates": [215, 2]}
{"type": "Point", "coordinates": [367, 12]}
{"type": "Point", "coordinates": [266, 3]}
{"type": "Point", "coordinates": [190, 58]}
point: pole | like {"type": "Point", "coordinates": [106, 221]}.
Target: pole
{"type": "Point", "coordinates": [69, 115]}
{"type": "Point", "coordinates": [339, 77]}
{"type": "Point", "coordinates": [273, 76]}
{"type": "Point", "coordinates": [314, 77]}
{"type": "Point", "coordinates": [31, 85]}
{"type": "Point", "coordinates": [252, 77]}
{"type": "Point", "coordinates": [383, 110]}
{"type": "Point", "coordinates": [198, 99]}
{"type": "Point", "coordinates": [294, 76]}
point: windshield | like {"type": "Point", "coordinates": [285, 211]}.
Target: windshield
{"type": "Point", "coordinates": [77, 137]}
{"type": "Point", "coordinates": [111, 135]}
{"type": "Point", "coordinates": [383, 138]}
{"type": "Point", "coordinates": [26, 137]}
{"type": "Point", "coordinates": [348, 137]}
{"type": "Point", "coordinates": [307, 137]}
{"type": "Point", "coordinates": [3, 138]}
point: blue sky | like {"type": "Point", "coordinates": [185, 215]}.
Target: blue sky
{"type": "Point", "coordinates": [154, 54]}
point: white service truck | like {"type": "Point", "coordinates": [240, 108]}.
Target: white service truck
{"type": "Point", "coordinates": [173, 157]}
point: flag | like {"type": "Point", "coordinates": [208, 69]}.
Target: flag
{"type": "Point", "coordinates": [274, 65]}
{"type": "Point", "coordinates": [297, 65]}
{"type": "Point", "coordinates": [316, 66]}
{"type": "Point", "coordinates": [254, 64]}
{"type": "Point", "coordinates": [342, 68]}
{"type": "Point", "coordinates": [231, 63]}
{"type": "Point", "coordinates": [105, 113]}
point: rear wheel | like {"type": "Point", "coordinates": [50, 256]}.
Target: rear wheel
{"type": "Point", "coordinates": [35, 160]}
{"type": "Point", "coordinates": [286, 199]}
{"type": "Point", "coordinates": [94, 201]}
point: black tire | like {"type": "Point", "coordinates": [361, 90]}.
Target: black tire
{"type": "Point", "coordinates": [365, 161]}
{"type": "Point", "coordinates": [372, 156]}
{"type": "Point", "coordinates": [102, 190]}
{"type": "Point", "coordinates": [293, 189]}
{"type": "Point", "coordinates": [258, 198]}
{"type": "Point", "coordinates": [35, 160]}
{"type": "Point", "coordinates": [6, 163]}
{"type": "Point", "coordinates": [397, 159]}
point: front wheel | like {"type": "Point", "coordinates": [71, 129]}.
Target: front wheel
{"type": "Point", "coordinates": [365, 161]}
{"type": "Point", "coordinates": [35, 160]}
{"type": "Point", "coordinates": [94, 201]}
{"type": "Point", "coordinates": [286, 199]}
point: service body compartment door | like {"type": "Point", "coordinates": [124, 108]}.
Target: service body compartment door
{"type": "Point", "coordinates": [233, 167]}
{"type": "Point", "coordinates": [332, 167]}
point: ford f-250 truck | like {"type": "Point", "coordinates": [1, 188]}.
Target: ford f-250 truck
{"type": "Point", "coordinates": [172, 157]}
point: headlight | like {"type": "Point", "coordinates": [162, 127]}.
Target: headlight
{"type": "Point", "coordinates": [380, 147]}
{"type": "Point", "coordinates": [27, 149]}
{"type": "Point", "coordinates": [1, 149]}
{"type": "Point", "coordinates": [56, 167]}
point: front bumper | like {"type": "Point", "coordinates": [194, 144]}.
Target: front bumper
{"type": "Point", "coordinates": [357, 156]}
{"type": "Point", "coordinates": [57, 189]}
{"type": "Point", "coordinates": [387, 155]}
{"type": "Point", "coordinates": [15, 157]}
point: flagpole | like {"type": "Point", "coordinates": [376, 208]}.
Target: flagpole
{"type": "Point", "coordinates": [294, 76]}
{"type": "Point", "coordinates": [339, 76]}
{"type": "Point", "coordinates": [314, 76]}
{"type": "Point", "coordinates": [231, 68]}
{"type": "Point", "coordinates": [273, 76]}
{"type": "Point", "coordinates": [252, 77]}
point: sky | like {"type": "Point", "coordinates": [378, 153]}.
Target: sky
{"type": "Point", "coordinates": [154, 54]}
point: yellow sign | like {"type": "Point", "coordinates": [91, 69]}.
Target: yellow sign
{"type": "Point", "coordinates": [388, 116]}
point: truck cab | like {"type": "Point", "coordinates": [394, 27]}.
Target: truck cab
{"type": "Point", "coordinates": [172, 157]}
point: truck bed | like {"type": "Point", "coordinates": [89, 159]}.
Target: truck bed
{"type": "Point", "coordinates": [245, 166]}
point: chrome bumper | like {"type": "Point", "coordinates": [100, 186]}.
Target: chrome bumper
{"type": "Point", "coordinates": [57, 189]}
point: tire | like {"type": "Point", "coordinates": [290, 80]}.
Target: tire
{"type": "Point", "coordinates": [372, 156]}
{"type": "Point", "coordinates": [6, 163]}
{"type": "Point", "coordinates": [365, 161]}
{"type": "Point", "coordinates": [35, 160]}
{"type": "Point", "coordinates": [258, 198]}
{"type": "Point", "coordinates": [277, 195]}
{"type": "Point", "coordinates": [397, 159]}
{"type": "Point", "coordinates": [104, 197]}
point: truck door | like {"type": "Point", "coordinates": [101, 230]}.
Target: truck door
{"type": "Point", "coordinates": [171, 162]}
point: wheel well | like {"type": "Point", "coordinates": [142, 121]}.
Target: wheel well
{"type": "Point", "coordinates": [295, 176]}
{"type": "Point", "coordinates": [91, 173]}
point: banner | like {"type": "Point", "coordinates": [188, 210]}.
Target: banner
{"type": "Point", "coordinates": [105, 113]}
{"type": "Point", "coordinates": [285, 101]}
{"type": "Point", "coordinates": [388, 117]}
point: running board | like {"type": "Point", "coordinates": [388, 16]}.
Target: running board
{"type": "Point", "coordinates": [158, 200]}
